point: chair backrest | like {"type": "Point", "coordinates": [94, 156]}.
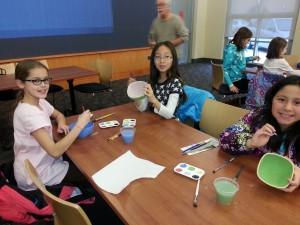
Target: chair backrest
{"type": "Point", "coordinates": [7, 68]}
{"type": "Point", "coordinates": [217, 75]}
{"type": "Point", "coordinates": [293, 60]}
{"type": "Point", "coordinates": [104, 69]}
{"type": "Point", "coordinates": [65, 213]}
{"type": "Point", "coordinates": [258, 86]}
{"type": "Point", "coordinates": [216, 116]}
{"type": "Point", "coordinates": [44, 62]}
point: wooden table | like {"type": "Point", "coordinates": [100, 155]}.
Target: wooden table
{"type": "Point", "coordinates": [167, 200]}
{"type": "Point", "coordinates": [58, 74]}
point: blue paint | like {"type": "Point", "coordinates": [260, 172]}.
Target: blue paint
{"type": "Point", "coordinates": [127, 135]}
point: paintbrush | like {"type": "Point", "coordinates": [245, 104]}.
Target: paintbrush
{"type": "Point", "coordinates": [102, 117]}
{"type": "Point", "coordinates": [195, 202]}
{"type": "Point", "coordinates": [196, 146]}
{"type": "Point", "coordinates": [224, 164]}
{"type": "Point", "coordinates": [113, 137]}
{"type": "Point", "coordinates": [236, 177]}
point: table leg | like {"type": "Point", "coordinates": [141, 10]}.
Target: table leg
{"type": "Point", "coordinates": [72, 96]}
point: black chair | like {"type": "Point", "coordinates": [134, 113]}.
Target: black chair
{"type": "Point", "coordinates": [104, 69]}
{"type": "Point", "coordinates": [54, 88]}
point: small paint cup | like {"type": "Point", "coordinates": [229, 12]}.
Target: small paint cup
{"type": "Point", "coordinates": [226, 189]}
{"type": "Point", "coordinates": [136, 92]}
{"type": "Point", "coordinates": [127, 134]}
{"type": "Point", "coordinates": [141, 104]}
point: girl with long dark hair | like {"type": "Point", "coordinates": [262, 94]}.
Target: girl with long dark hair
{"type": "Point", "coordinates": [273, 128]}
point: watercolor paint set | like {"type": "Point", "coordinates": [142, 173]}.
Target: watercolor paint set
{"type": "Point", "coordinates": [129, 123]}
{"type": "Point", "coordinates": [107, 124]}
{"type": "Point", "coordinates": [189, 171]}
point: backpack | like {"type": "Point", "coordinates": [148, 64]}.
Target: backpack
{"type": "Point", "coordinates": [28, 207]}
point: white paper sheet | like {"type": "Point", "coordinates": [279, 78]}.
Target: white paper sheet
{"type": "Point", "coordinates": [119, 173]}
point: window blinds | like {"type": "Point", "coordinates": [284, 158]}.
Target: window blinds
{"type": "Point", "coordinates": [265, 18]}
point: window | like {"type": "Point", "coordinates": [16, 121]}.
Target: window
{"type": "Point", "coordinates": [266, 19]}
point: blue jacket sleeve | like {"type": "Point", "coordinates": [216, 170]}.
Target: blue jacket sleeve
{"type": "Point", "coordinates": [227, 63]}
{"type": "Point", "coordinates": [192, 107]}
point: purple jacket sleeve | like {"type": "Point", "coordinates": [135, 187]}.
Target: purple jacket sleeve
{"type": "Point", "coordinates": [234, 138]}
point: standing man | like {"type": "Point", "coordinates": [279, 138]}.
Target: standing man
{"type": "Point", "coordinates": [167, 27]}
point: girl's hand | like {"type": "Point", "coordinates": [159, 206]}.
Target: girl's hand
{"type": "Point", "coordinates": [83, 119]}
{"type": "Point", "coordinates": [149, 93]}
{"type": "Point", "coordinates": [295, 182]}
{"type": "Point", "coordinates": [261, 136]}
{"type": "Point", "coordinates": [130, 80]}
{"type": "Point", "coordinates": [234, 89]}
{"type": "Point", "coordinates": [62, 129]}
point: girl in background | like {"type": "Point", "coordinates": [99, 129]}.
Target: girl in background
{"type": "Point", "coordinates": [275, 63]}
{"type": "Point", "coordinates": [165, 90]}
{"type": "Point", "coordinates": [33, 130]}
{"type": "Point", "coordinates": [234, 61]}
{"type": "Point", "coordinates": [273, 128]}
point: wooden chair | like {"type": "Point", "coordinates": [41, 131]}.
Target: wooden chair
{"type": "Point", "coordinates": [217, 76]}
{"type": "Point", "coordinates": [293, 60]}
{"type": "Point", "coordinates": [65, 213]}
{"type": "Point", "coordinates": [7, 69]}
{"type": "Point", "coordinates": [216, 116]}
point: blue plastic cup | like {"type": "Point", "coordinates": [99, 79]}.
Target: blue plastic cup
{"type": "Point", "coordinates": [127, 134]}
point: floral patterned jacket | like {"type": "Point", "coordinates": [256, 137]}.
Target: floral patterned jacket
{"type": "Point", "coordinates": [234, 138]}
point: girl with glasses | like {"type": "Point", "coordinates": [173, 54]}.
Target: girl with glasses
{"type": "Point", "coordinates": [33, 130]}
{"type": "Point", "coordinates": [165, 90]}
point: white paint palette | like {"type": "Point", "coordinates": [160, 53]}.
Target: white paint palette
{"type": "Point", "coordinates": [107, 124]}
{"type": "Point", "coordinates": [129, 123]}
{"type": "Point", "coordinates": [189, 171]}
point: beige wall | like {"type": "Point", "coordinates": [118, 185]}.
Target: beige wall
{"type": "Point", "coordinates": [199, 25]}
{"type": "Point", "coordinates": [209, 29]}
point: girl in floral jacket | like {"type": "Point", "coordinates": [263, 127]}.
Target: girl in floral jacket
{"type": "Point", "coordinates": [273, 128]}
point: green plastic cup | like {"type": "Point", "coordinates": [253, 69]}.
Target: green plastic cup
{"type": "Point", "coordinates": [226, 189]}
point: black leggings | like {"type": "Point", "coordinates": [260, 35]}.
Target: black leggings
{"type": "Point", "coordinates": [74, 177]}
{"type": "Point", "coordinates": [241, 84]}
